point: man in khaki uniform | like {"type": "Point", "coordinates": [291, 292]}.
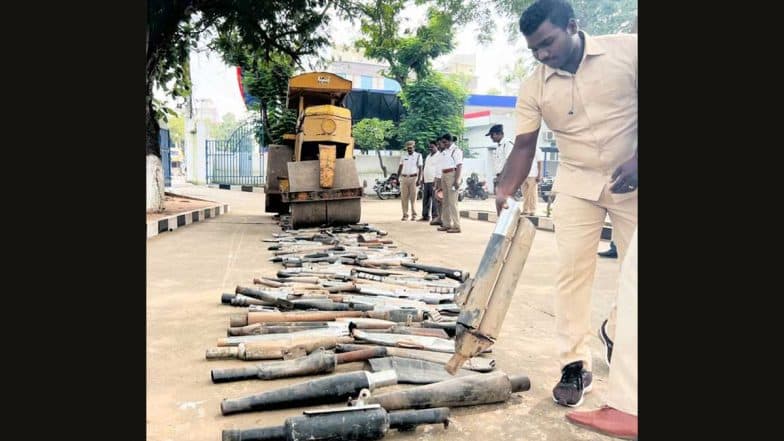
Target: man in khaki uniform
{"type": "Point", "coordinates": [409, 171]}
{"type": "Point", "coordinates": [586, 92]}
{"type": "Point", "coordinates": [429, 205]}
{"type": "Point", "coordinates": [530, 188]}
{"type": "Point", "coordinates": [452, 164]}
{"type": "Point", "coordinates": [438, 159]}
{"type": "Point", "coordinates": [502, 149]}
{"type": "Point", "coordinates": [619, 417]}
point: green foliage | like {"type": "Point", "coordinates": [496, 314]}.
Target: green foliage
{"type": "Point", "coordinates": [176, 129]}
{"type": "Point", "coordinates": [373, 133]}
{"type": "Point", "coordinates": [519, 70]}
{"type": "Point", "coordinates": [468, 13]}
{"type": "Point", "coordinates": [596, 17]}
{"type": "Point", "coordinates": [265, 79]}
{"type": "Point", "coordinates": [261, 29]}
{"type": "Point", "coordinates": [380, 26]}
{"type": "Point", "coordinates": [434, 106]}
{"type": "Point", "coordinates": [433, 102]}
{"type": "Point", "coordinates": [409, 50]}
{"type": "Point", "coordinates": [431, 41]}
{"type": "Point", "coordinates": [405, 52]}
{"type": "Point", "coordinates": [599, 17]}
{"type": "Point", "coordinates": [223, 129]}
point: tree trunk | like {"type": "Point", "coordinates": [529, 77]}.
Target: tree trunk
{"type": "Point", "coordinates": [155, 183]}
{"type": "Point", "coordinates": [265, 127]}
{"type": "Point", "coordinates": [381, 163]}
{"type": "Point", "coordinates": [162, 21]}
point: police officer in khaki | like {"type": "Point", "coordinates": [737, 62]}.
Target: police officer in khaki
{"type": "Point", "coordinates": [501, 151]}
{"type": "Point", "coordinates": [429, 204]}
{"type": "Point", "coordinates": [452, 164]}
{"type": "Point", "coordinates": [618, 417]}
{"type": "Point", "coordinates": [438, 158]}
{"type": "Point", "coordinates": [586, 92]}
{"type": "Point", "coordinates": [409, 171]}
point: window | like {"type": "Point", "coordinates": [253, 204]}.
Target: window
{"type": "Point", "coordinates": [391, 85]}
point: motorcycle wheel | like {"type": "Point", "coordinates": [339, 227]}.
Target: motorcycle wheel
{"type": "Point", "coordinates": [380, 196]}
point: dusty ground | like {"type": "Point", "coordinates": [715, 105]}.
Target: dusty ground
{"type": "Point", "coordinates": [189, 268]}
{"type": "Point", "coordinates": [177, 204]}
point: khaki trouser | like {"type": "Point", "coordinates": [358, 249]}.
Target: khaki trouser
{"type": "Point", "coordinates": [449, 216]}
{"type": "Point", "coordinates": [530, 190]}
{"type": "Point", "coordinates": [439, 207]}
{"type": "Point", "coordinates": [408, 193]}
{"type": "Point", "coordinates": [622, 385]}
{"type": "Point", "coordinates": [578, 227]}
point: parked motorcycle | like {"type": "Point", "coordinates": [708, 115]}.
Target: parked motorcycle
{"type": "Point", "coordinates": [475, 189]}
{"type": "Point", "coordinates": [545, 188]}
{"type": "Point", "coordinates": [388, 188]}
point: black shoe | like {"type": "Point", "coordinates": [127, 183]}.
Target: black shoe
{"type": "Point", "coordinates": [574, 382]}
{"type": "Point", "coordinates": [608, 344]}
{"type": "Point", "coordinates": [611, 253]}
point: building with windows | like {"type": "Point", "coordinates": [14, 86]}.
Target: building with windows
{"type": "Point", "coordinates": [363, 73]}
{"type": "Point", "coordinates": [484, 111]}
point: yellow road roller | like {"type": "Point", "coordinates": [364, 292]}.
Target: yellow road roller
{"type": "Point", "coordinates": [313, 174]}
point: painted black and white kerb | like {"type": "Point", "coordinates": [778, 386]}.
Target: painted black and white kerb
{"type": "Point", "coordinates": [541, 223]}
{"type": "Point", "coordinates": [171, 223]}
{"type": "Point", "coordinates": [248, 188]}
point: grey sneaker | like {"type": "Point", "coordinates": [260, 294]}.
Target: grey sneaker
{"type": "Point", "coordinates": [575, 381]}
{"type": "Point", "coordinates": [608, 344]}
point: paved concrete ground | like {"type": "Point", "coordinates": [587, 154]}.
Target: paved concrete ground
{"type": "Point", "coordinates": [489, 205]}
{"type": "Point", "coordinates": [189, 268]}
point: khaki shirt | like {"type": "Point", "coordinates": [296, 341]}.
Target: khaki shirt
{"type": "Point", "coordinates": [601, 132]}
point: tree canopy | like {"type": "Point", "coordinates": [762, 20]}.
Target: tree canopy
{"type": "Point", "coordinates": [292, 28]}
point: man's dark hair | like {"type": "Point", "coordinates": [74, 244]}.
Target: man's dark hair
{"type": "Point", "coordinates": [433, 141]}
{"type": "Point", "coordinates": [446, 136]}
{"type": "Point", "coordinates": [557, 11]}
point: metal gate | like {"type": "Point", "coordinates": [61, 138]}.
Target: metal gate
{"type": "Point", "coordinates": [236, 160]}
{"type": "Point", "coordinates": [166, 156]}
